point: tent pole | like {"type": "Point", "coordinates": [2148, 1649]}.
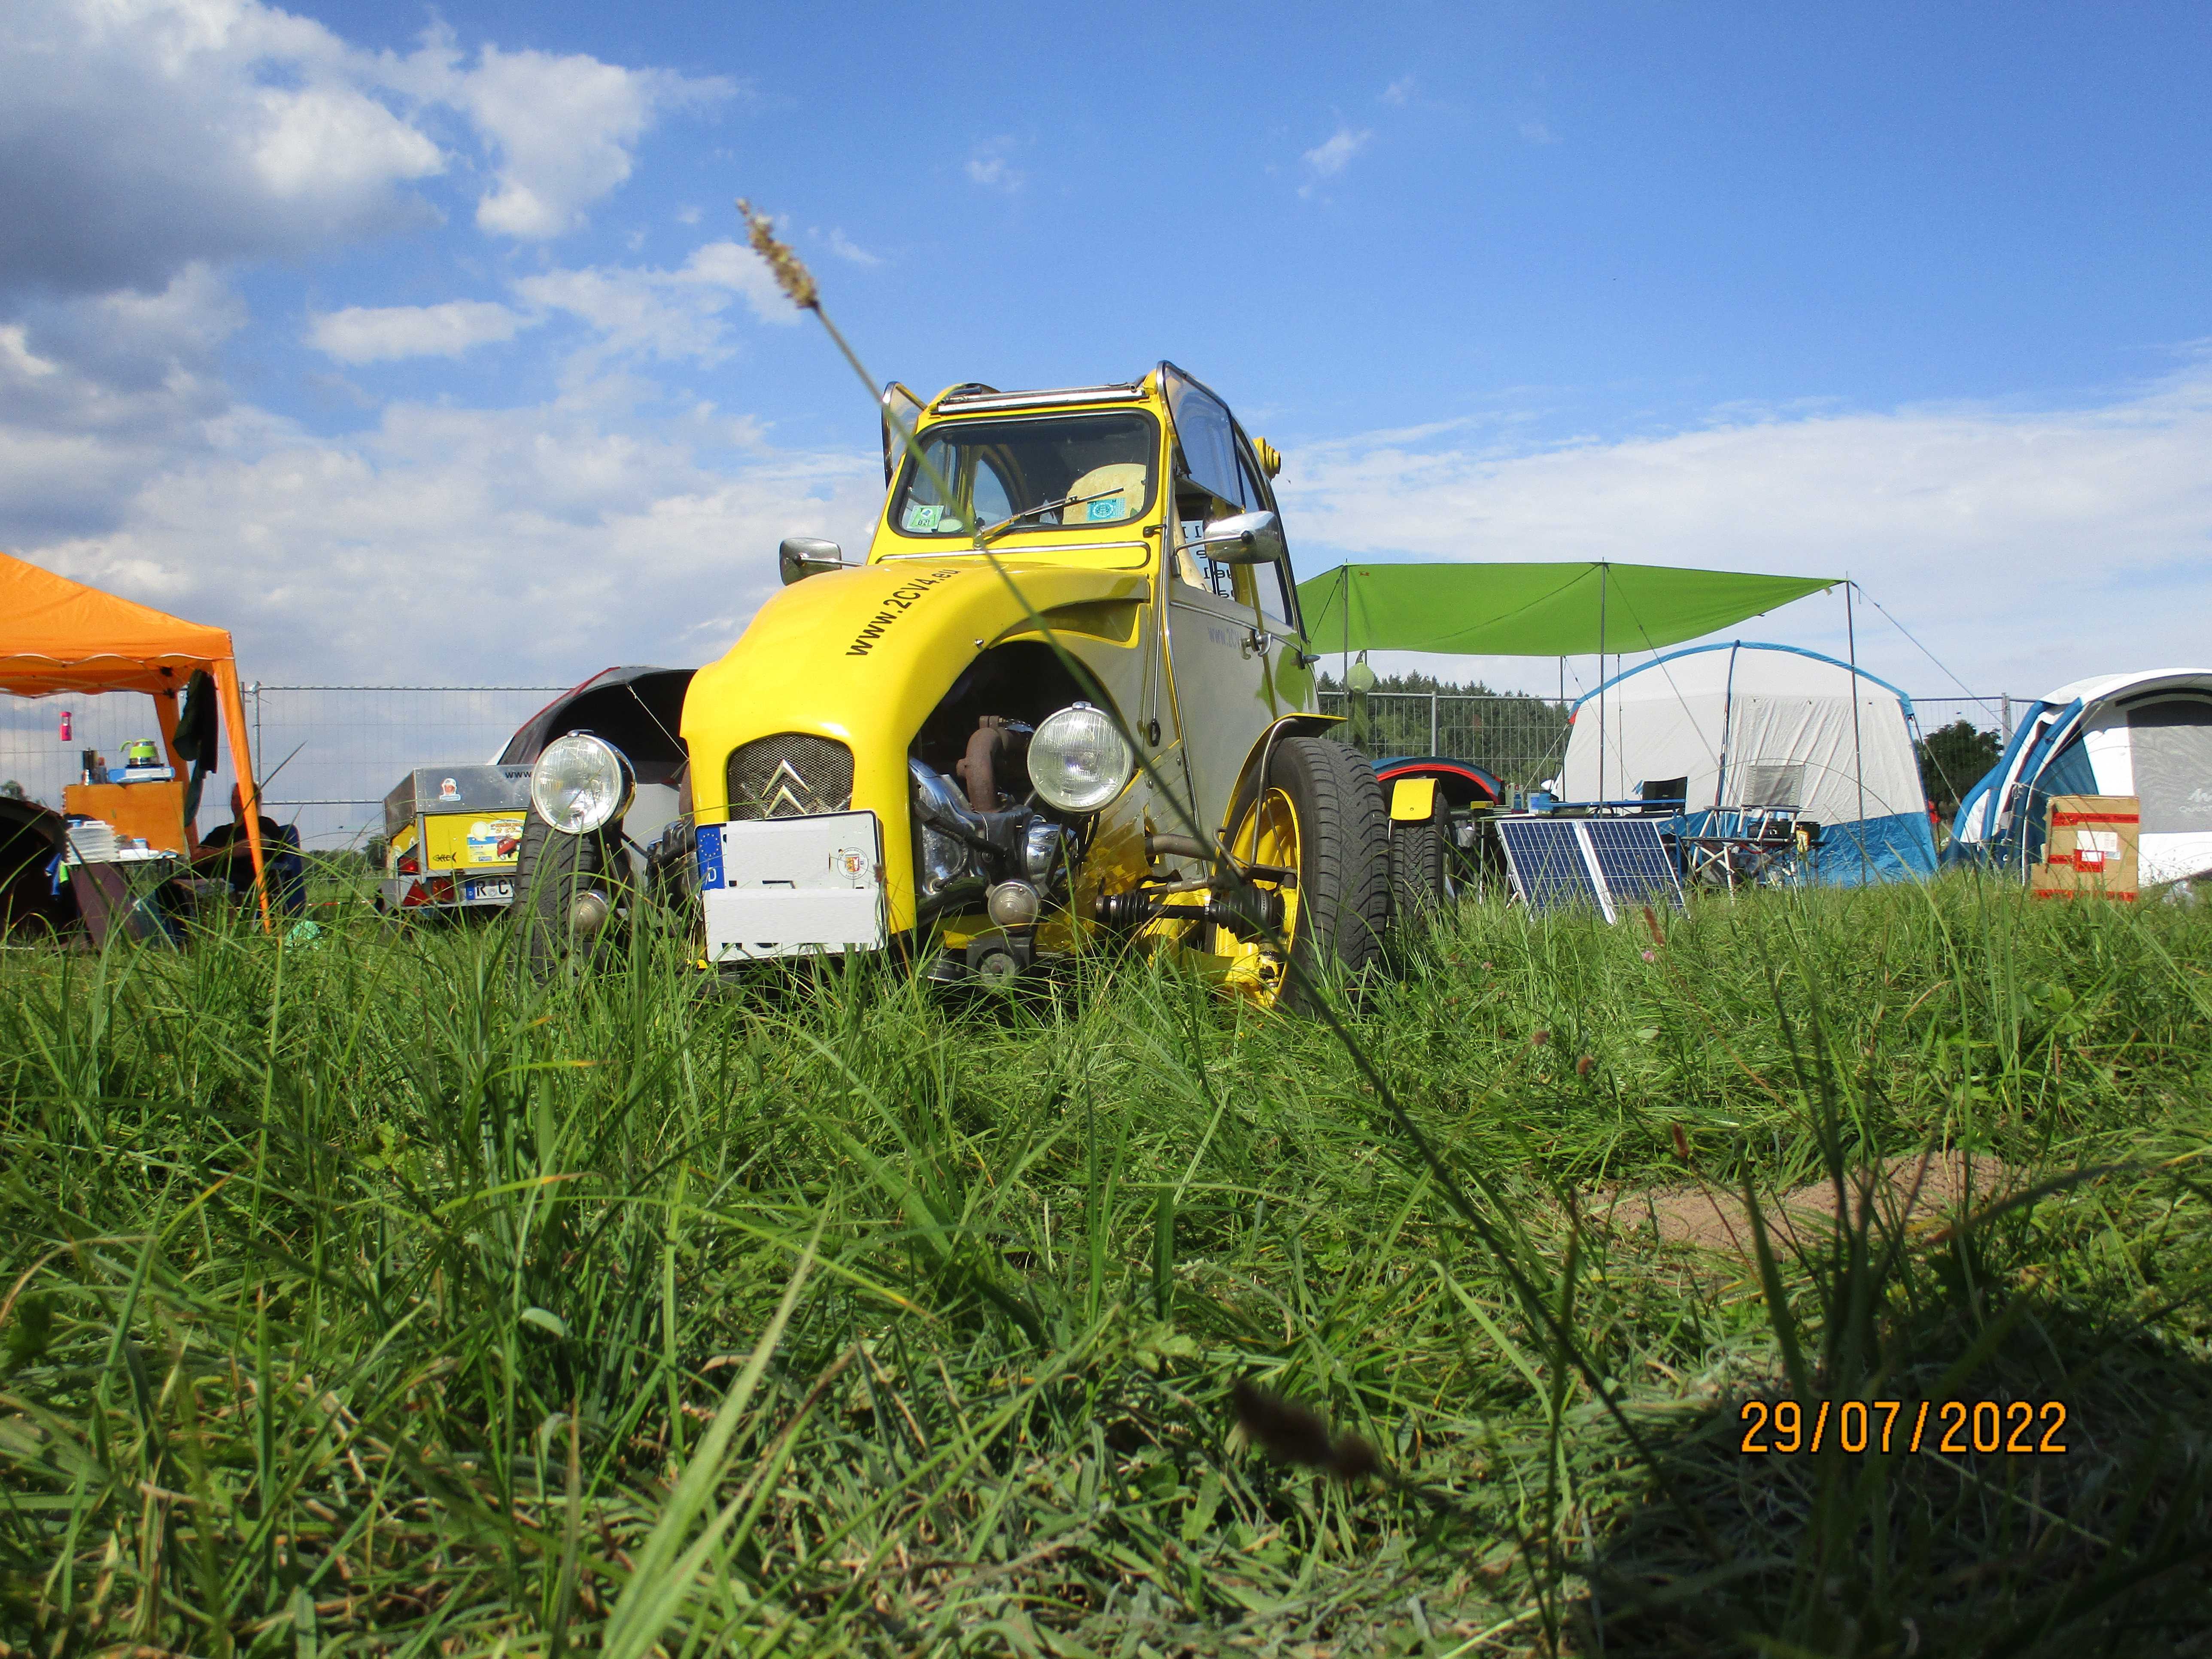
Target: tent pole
{"type": "Point", "coordinates": [1344, 668]}
{"type": "Point", "coordinates": [1858, 754]}
{"type": "Point", "coordinates": [1602, 569]}
{"type": "Point", "coordinates": [249, 786]}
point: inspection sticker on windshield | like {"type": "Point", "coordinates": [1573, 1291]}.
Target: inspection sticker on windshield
{"type": "Point", "coordinates": [1109, 508]}
{"type": "Point", "coordinates": [923, 517]}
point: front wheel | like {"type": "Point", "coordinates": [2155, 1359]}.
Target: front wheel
{"type": "Point", "coordinates": [1319, 814]}
{"type": "Point", "coordinates": [563, 898]}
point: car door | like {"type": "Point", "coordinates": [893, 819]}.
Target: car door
{"type": "Point", "coordinates": [1273, 591]}
{"type": "Point", "coordinates": [1219, 647]}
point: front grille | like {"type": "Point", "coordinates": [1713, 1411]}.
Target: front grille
{"type": "Point", "coordinates": [789, 777]}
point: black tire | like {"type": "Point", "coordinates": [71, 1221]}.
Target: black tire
{"type": "Point", "coordinates": [552, 870]}
{"type": "Point", "coordinates": [1420, 871]}
{"type": "Point", "coordinates": [1344, 861]}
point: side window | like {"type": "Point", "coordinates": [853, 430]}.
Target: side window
{"type": "Point", "coordinates": [1199, 503]}
{"type": "Point", "coordinates": [1271, 583]}
{"type": "Point", "coordinates": [1192, 564]}
{"type": "Point", "coordinates": [1255, 497]}
{"type": "Point", "coordinates": [1208, 438]}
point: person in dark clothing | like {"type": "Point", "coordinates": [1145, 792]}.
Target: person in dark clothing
{"type": "Point", "coordinates": [224, 853]}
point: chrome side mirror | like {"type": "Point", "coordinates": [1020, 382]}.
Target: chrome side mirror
{"type": "Point", "coordinates": [1246, 538]}
{"type": "Point", "coordinates": [801, 556]}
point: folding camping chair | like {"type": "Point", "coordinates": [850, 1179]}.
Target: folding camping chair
{"type": "Point", "coordinates": [1749, 846]}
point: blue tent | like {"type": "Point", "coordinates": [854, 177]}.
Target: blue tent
{"type": "Point", "coordinates": [2145, 735]}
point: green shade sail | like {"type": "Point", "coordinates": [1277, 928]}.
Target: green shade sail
{"type": "Point", "coordinates": [1533, 610]}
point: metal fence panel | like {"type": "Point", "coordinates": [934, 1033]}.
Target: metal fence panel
{"type": "Point", "coordinates": [1522, 739]}
{"type": "Point", "coordinates": [1988, 714]}
{"type": "Point", "coordinates": [329, 753]}
{"type": "Point", "coordinates": [37, 759]}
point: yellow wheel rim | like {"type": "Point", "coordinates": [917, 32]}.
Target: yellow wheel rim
{"type": "Point", "coordinates": [1268, 840]}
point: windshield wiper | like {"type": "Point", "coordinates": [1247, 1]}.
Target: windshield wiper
{"type": "Point", "coordinates": [1046, 507]}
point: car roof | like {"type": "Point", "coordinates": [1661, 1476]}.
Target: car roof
{"type": "Point", "coordinates": [975, 398]}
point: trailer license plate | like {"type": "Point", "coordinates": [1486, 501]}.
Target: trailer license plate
{"type": "Point", "coordinates": [781, 887]}
{"type": "Point", "coordinates": [488, 892]}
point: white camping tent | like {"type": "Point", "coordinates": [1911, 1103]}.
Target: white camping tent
{"type": "Point", "coordinates": [1744, 724]}
{"type": "Point", "coordinates": [2148, 735]}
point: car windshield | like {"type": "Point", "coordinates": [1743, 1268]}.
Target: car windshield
{"type": "Point", "coordinates": [1099, 466]}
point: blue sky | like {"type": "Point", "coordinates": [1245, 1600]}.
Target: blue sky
{"type": "Point", "coordinates": [413, 344]}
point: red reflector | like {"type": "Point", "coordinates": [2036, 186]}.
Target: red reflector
{"type": "Point", "coordinates": [441, 889]}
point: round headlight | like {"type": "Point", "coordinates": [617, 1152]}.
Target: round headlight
{"type": "Point", "coordinates": [579, 783]}
{"type": "Point", "coordinates": [1077, 761]}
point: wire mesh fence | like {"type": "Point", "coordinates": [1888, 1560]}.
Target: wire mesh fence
{"type": "Point", "coordinates": [1984, 713]}
{"type": "Point", "coordinates": [1521, 739]}
{"type": "Point", "coordinates": [328, 754]}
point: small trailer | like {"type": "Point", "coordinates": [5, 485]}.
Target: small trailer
{"type": "Point", "coordinates": [455, 833]}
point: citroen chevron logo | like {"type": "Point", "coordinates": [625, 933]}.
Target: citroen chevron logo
{"type": "Point", "coordinates": [788, 792]}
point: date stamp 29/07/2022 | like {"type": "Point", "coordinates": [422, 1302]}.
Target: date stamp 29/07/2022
{"type": "Point", "coordinates": [1882, 1426]}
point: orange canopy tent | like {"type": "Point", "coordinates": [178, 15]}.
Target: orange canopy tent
{"type": "Point", "coordinates": [60, 636]}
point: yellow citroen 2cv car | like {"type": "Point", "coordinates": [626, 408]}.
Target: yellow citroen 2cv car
{"type": "Point", "coordinates": [1105, 727]}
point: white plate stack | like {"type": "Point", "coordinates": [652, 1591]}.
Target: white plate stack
{"type": "Point", "coordinates": [91, 842]}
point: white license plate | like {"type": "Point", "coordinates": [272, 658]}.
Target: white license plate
{"type": "Point", "coordinates": [783, 887]}
{"type": "Point", "coordinates": [500, 891]}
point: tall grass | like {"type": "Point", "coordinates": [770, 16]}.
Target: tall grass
{"type": "Point", "coordinates": [361, 1298]}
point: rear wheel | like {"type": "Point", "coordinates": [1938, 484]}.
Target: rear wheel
{"type": "Point", "coordinates": [1320, 814]}
{"type": "Point", "coordinates": [1420, 867]}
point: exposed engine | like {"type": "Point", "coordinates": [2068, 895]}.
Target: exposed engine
{"type": "Point", "coordinates": [972, 841]}
{"type": "Point", "coordinates": [983, 837]}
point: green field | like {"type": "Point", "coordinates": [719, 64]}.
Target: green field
{"type": "Point", "coordinates": [360, 1300]}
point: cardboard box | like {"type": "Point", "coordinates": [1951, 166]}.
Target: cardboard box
{"type": "Point", "coordinates": [154, 812]}
{"type": "Point", "coordinates": [2090, 849]}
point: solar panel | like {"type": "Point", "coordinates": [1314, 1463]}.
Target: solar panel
{"type": "Point", "coordinates": [1558, 862]}
{"type": "Point", "coordinates": [1632, 862]}
{"type": "Point", "coordinates": [1545, 860]}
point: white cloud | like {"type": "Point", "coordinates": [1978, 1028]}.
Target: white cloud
{"type": "Point", "coordinates": [138, 136]}
{"type": "Point", "coordinates": [845, 248]}
{"type": "Point", "coordinates": [2022, 548]}
{"type": "Point", "coordinates": [1398, 92]}
{"type": "Point", "coordinates": [1537, 133]}
{"type": "Point", "coordinates": [334, 139]}
{"type": "Point", "coordinates": [669, 314]}
{"type": "Point", "coordinates": [1328, 159]}
{"type": "Point", "coordinates": [96, 394]}
{"type": "Point", "coordinates": [563, 128]}
{"type": "Point", "coordinates": [989, 165]}
{"type": "Point", "coordinates": [589, 543]}
{"type": "Point", "coordinates": [1331, 157]}
{"type": "Point", "coordinates": [368, 334]}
